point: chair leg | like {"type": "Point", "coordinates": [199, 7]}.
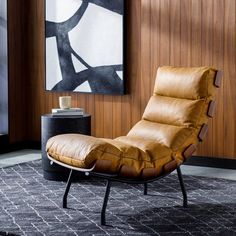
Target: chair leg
{"type": "Point", "coordinates": [105, 200]}
{"type": "Point", "coordinates": [185, 199]}
{"type": "Point", "coordinates": [64, 204]}
{"type": "Point", "coordinates": [145, 189]}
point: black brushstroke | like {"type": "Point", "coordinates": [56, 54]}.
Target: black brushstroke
{"type": "Point", "coordinates": [82, 61]}
{"type": "Point", "coordinates": [101, 79]}
{"type": "Point", "coordinates": [53, 29]}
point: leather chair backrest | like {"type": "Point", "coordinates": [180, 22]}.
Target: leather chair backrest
{"type": "Point", "coordinates": [177, 113]}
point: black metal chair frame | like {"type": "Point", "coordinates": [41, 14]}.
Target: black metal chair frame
{"type": "Point", "coordinates": [114, 178]}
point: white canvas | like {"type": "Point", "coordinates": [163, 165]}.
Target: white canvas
{"type": "Point", "coordinates": [53, 72]}
{"type": "Point", "coordinates": [101, 38]}
{"type": "Point", "coordinates": [61, 10]}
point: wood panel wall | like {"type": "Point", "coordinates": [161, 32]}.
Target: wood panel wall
{"type": "Point", "coordinates": [17, 72]}
{"type": "Point", "coordinates": [159, 32]}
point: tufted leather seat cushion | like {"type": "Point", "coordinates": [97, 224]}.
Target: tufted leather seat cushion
{"type": "Point", "coordinates": [170, 124]}
{"type": "Point", "coordinates": [82, 151]}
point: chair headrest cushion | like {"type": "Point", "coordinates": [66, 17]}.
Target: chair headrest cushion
{"type": "Point", "coordinates": [189, 83]}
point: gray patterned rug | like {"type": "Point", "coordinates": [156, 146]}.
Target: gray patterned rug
{"type": "Point", "coordinates": [31, 205]}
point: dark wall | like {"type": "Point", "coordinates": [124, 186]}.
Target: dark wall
{"type": "Point", "coordinates": [18, 71]}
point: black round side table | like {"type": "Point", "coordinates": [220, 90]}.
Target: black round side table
{"type": "Point", "coordinates": [54, 125]}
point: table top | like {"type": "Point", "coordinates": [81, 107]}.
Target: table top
{"type": "Point", "coordinates": [85, 115]}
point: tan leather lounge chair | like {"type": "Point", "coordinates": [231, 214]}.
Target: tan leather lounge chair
{"type": "Point", "coordinates": [173, 123]}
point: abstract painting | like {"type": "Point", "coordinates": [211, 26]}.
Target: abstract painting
{"type": "Point", "coordinates": [84, 46]}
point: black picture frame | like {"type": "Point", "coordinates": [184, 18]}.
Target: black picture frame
{"type": "Point", "coordinates": [94, 74]}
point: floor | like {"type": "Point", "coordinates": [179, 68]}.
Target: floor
{"type": "Point", "coordinates": [38, 211]}
{"type": "Point", "coordinates": [13, 158]}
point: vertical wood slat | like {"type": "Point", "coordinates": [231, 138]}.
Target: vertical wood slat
{"type": "Point", "coordinates": [16, 74]}
{"type": "Point", "coordinates": [108, 117]}
{"type": "Point", "coordinates": [99, 115]}
{"type": "Point", "coordinates": [145, 52]}
{"type": "Point", "coordinates": [218, 62]}
{"type": "Point", "coordinates": [165, 31]}
{"type": "Point", "coordinates": [196, 33]}
{"type": "Point", "coordinates": [155, 40]}
{"type": "Point", "coordinates": [125, 114]}
{"type": "Point", "coordinates": [196, 36]}
{"type": "Point", "coordinates": [175, 32]}
{"type": "Point", "coordinates": [116, 117]}
{"type": "Point", "coordinates": [229, 79]}
{"type": "Point", "coordinates": [159, 32]}
{"type": "Point", "coordinates": [205, 148]}
{"type": "Point", "coordinates": [91, 110]}
{"type": "Point", "coordinates": [134, 58]}
{"type": "Point", "coordinates": [185, 59]}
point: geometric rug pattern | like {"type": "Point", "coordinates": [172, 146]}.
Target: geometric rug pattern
{"type": "Point", "coordinates": [31, 205]}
